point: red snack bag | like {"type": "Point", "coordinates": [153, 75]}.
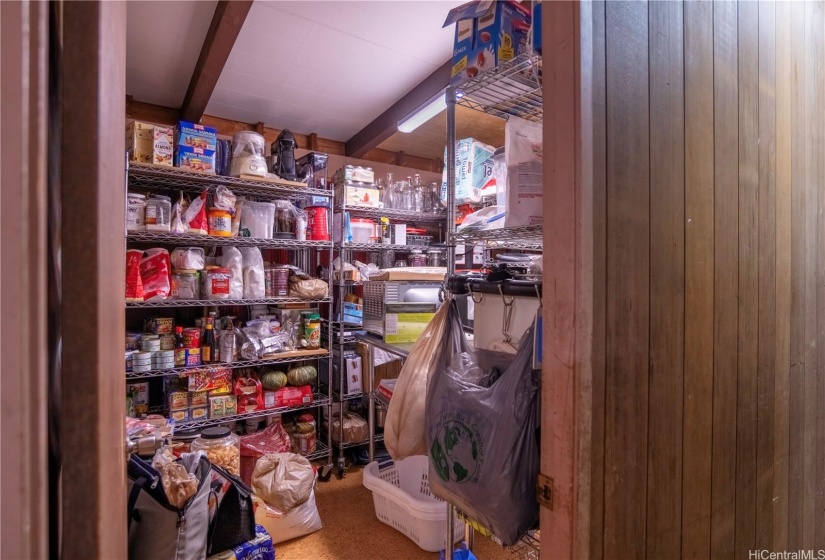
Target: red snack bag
{"type": "Point", "coordinates": [155, 271]}
{"type": "Point", "coordinates": [249, 393]}
{"type": "Point", "coordinates": [134, 284]}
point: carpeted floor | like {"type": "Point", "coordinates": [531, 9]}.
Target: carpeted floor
{"type": "Point", "coordinates": [352, 532]}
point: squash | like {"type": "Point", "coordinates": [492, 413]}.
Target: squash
{"type": "Point", "coordinates": [302, 375]}
{"type": "Point", "coordinates": [274, 380]}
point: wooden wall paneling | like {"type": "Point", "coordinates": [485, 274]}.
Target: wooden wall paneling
{"type": "Point", "coordinates": [628, 279]}
{"type": "Point", "coordinates": [699, 280]}
{"type": "Point", "coordinates": [726, 258]}
{"type": "Point", "coordinates": [798, 299]}
{"type": "Point", "coordinates": [667, 279]}
{"type": "Point", "coordinates": [560, 305]}
{"type": "Point", "coordinates": [93, 198]}
{"type": "Point", "coordinates": [766, 378]}
{"type": "Point", "coordinates": [594, 144]}
{"type": "Point", "coordinates": [813, 31]}
{"type": "Point", "coordinates": [818, 144]}
{"type": "Point", "coordinates": [783, 275]}
{"type": "Point", "coordinates": [748, 298]}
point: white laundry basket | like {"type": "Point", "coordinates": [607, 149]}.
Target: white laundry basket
{"type": "Point", "coordinates": [401, 494]}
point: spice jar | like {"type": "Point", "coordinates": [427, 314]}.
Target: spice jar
{"type": "Point", "coordinates": [220, 222]}
{"type": "Point", "coordinates": [222, 447]}
{"type": "Point", "coordinates": [158, 216]}
{"type": "Point", "coordinates": [217, 283]}
{"type": "Point", "coordinates": [416, 258]}
{"type": "Point", "coordinates": [135, 212]}
{"type": "Point", "coordinates": [186, 284]}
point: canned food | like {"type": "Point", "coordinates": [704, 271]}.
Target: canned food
{"type": "Point", "coordinates": [150, 344]}
{"type": "Point", "coordinates": [191, 337]}
{"type": "Point", "coordinates": [280, 281]}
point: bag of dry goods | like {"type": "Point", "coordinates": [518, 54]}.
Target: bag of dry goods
{"type": "Point", "coordinates": [134, 285]}
{"type": "Point", "coordinates": [283, 480]}
{"type": "Point", "coordinates": [272, 439]}
{"type": "Point", "coordinates": [178, 210]}
{"type": "Point", "coordinates": [195, 216]}
{"type": "Point", "coordinates": [253, 273]}
{"type": "Point", "coordinates": [301, 521]}
{"type": "Point", "coordinates": [355, 428]}
{"type": "Point", "coordinates": [314, 288]}
{"type": "Point", "coordinates": [155, 273]}
{"type": "Point", "coordinates": [188, 258]}
{"type": "Point", "coordinates": [232, 259]}
{"type": "Point", "coordinates": [525, 182]}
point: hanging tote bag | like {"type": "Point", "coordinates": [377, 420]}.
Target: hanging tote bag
{"type": "Point", "coordinates": [158, 530]}
{"type": "Point", "coordinates": [482, 416]}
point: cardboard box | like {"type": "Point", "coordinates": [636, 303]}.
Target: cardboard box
{"type": "Point", "coordinates": [210, 380]}
{"type": "Point", "coordinates": [353, 373]}
{"type": "Point", "coordinates": [359, 195]}
{"type": "Point", "coordinates": [473, 171]}
{"type": "Point", "coordinates": [178, 400]}
{"type": "Point", "coordinates": [139, 392]}
{"type": "Point", "coordinates": [353, 313]}
{"type": "Point", "coordinates": [487, 34]}
{"type": "Point", "coordinates": [199, 413]}
{"type": "Point", "coordinates": [288, 396]}
{"type": "Point", "coordinates": [139, 141]}
{"type": "Point", "coordinates": [199, 398]}
{"type": "Point", "coordinates": [195, 147]}
{"type": "Point", "coordinates": [163, 146]}
{"type": "Point", "coordinates": [221, 407]}
{"type": "Point", "coordinates": [403, 325]}
{"type": "Point", "coordinates": [195, 159]}
{"type": "Point", "coordinates": [179, 415]}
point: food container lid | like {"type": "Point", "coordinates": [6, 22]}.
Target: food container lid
{"type": "Point", "coordinates": [136, 195]}
{"type": "Point", "coordinates": [221, 210]}
{"type": "Point", "coordinates": [185, 271]}
{"type": "Point", "coordinates": [435, 251]}
{"type": "Point", "coordinates": [216, 432]}
{"type": "Point", "coordinates": [186, 435]}
{"type": "Point", "coordinates": [416, 252]}
{"type": "Point", "coordinates": [161, 197]}
{"type": "Point", "coordinates": [219, 270]}
{"type": "Point", "coordinates": [362, 221]}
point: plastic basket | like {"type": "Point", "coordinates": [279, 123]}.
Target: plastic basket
{"type": "Point", "coordinates": [401, 494]}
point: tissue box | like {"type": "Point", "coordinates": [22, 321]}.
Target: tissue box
{"type": "Point", "coordinates": [473, 171]}
{"type": "Point", "coordinates": [487, 34]}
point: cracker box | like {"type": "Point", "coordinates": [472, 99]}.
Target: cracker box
{"type": "Point", "coordinates": [199, 398]}
{"type": "Point", "coordinates": [199, 413]}
{"type": "Point", "coordinates": [488, 33]}
{"type": "Point", "coordinates": [178, 400]}
{"type": "Point", "coordinates": [163, 145]}
{"type": "Point", "coordinates": [288, 396]}
{"type": "Point", "coordinates": [195, 147]}
{"type": "Point", "coordinates": [139, 141]}
{"type": "Point", "coordinates": [159, 325]}
{"type": "Point", "coordinates": [473, 171]}
{"type": "Point", "coordinates": [179, 415]}
{"type": "Point", "coordinates": [210, 380]}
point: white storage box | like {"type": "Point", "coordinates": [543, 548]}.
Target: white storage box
{"type": "Point", "coordinates": [401, 494]}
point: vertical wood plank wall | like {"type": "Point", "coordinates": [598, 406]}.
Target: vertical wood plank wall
{"type": "Point", "coordinates": [698, 394]}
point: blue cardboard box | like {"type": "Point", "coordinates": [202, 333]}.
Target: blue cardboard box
{"type": "Point", "coordinates": [537, 27]}
{"type": "Point", "coordinates": [195, 147]}
{"type": "Point", "coordinates": [488, 33]}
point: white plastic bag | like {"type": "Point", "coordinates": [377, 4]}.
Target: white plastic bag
{"type": "Point", "coordinates": [232, 259]}
{"type": "Point", "coordinates": [404, 428]}
{"type": "Point", "coordinates": [525, 182]}
{"type": "Point", "coordinates": [188, 258]}
{"type": "Point", "coordinates": [253, 273]}
{"type": "Point", "coordinates": [283, 480]}
{"type": "Point", "coordinates": [299, 522]}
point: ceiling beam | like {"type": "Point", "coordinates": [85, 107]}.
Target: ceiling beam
{"type": "Point", "coordinates": [223, 31]}
{"type": "Point", "coordinates": [386, 124]}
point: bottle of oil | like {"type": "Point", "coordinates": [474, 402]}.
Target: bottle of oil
{"type": "Point", "coordinates": [208, 343]}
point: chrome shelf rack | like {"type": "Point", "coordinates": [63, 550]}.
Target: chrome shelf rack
{"type": "Point", "coordinates": [220, 302]}
{"type": "Point", "coordinates": [188, 239]}
{"type": "Point", "coordinates": [526, 238]}
{"type": "Point", "coordinates": [319, 401]}
{"type": "Point", "coordinates": [216, 366]}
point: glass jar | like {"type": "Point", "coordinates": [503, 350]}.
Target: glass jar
{"type": "Point", "coordinates": [135, 212]}
{"type": "Point", "coordinates": [436, 258]}
{"type": "Point", "coordinates": [158, 216]}
{"type": "Point", "coordinates": [186, 284]}
{"type": "Point", "coordinates": [284, 218]}
{"type": "Point", "coordinates": [416, 258]}
{"type": "Point", "coordinates": [222, 447]}
{"type": "Point", "coordinates": [434, 195]}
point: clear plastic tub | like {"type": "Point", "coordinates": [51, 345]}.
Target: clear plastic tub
{"type": "Point", "coordinates": [258, 218]}
{"type": "Point", "coordinates": [362, 230]}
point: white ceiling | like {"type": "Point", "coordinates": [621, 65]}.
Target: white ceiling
{"type": "Point", "coordinates": [328, 67]}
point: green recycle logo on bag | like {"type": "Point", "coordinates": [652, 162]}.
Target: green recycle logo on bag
{"type": "Point", "coordinates": [456, 451]}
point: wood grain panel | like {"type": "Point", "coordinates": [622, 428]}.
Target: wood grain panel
{"type": "Point", "coordinates": [628, 278]}
{"type": "Point", "coordinates": [783, 275]}
{"type": "Point", "coordinates": [818, 146]}
{"type": "Point", "coordinates": [699, 251]}
{"type": "Point", "coordinates": [747, 346]}
{"type": "Point", "coordinates": [726, 258]}
{"type": "Point", "coordinates": [812, 184]}
{"type": "Point", "coordinates": [667, 279]}
{"type": "Point", "coordinates": [798, 277]}
{"type": "Point", "coordinates": [766, 379]}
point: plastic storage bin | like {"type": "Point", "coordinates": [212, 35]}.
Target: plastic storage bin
{"type": "Point", "coordinates": [258, 218]}
{"type": "Point", "coordinates": [402, 499]}
{"type": "Point", "coordinates": [362, 230]}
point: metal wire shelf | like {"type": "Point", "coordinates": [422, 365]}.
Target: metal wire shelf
{"type": "Point", "coordinates": [319, 400]}
{"type": "Point", "coordinates": [377, 247]}
{"type": "Point", "coordinates": [219, 302]}
{"type": "Point", "coordinates": [212, 367]}
{"type": "Point", "coordinates": [210, 241]}
{"type": "Point", "coordinates": [527, 548]}
{"type": "Point", "coordinates": [174, 178]}
{"type": "Point", "coordinates": [395, 214]}
{"type": "Point", "coordinates": [321, 451]}
{"type": "Point", "coordinates": [526, 237]}
{"type": "Point", "coordinates": [354, 444]}
{"type": "Point", "coordinates": [510, 89]}
{"type": "Point", "coordinates": [337, 397]}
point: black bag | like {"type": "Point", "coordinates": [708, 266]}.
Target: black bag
{"type": "Point", "coordinates": [234, 521]}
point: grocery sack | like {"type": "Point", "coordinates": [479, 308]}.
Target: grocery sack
{"type": "Point", "coordinates": [525, 181]}
{"type": "Point", "coordinates": [155, 274]}
{"type": "Point", "coordinates": [482, 416]}
{"type": "Point", "coordinates": [301, 521]}
{"type": "Point", "coordinates": [272, 439]}
{"type": "Point", "coordinates": [405, 424]}
{"type": "Point", "coordinates": [356, 428]}
{"type": "Point", "coordinates": [283, 480]}
{"type": "Point", "coordinates": [134, 284]}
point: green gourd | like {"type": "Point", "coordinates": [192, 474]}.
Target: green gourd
{"type": "Point", "coordinates": [274, 380]}
{"type": "Point", "coordinates": [302, 375]}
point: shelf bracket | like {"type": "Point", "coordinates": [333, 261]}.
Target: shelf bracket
{"type": "Point", "coordinates": [544, 491]}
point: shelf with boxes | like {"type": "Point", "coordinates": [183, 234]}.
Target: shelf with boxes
{"type": "Point", "coordinates": [318, 401]}
{"type": "Point", "coordinates": [220, 302]}
{"type": "Point", "coordinates": [284, 358]}
{"type": "Point", "coordinates": [208, 241]}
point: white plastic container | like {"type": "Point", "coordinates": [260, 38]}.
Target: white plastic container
{"type": "Point", "coordinates": [258, 218]}
{"type": "Point", "coordinates": [402, 499]}
{"type": "Point", "coordinates": [362, 230]}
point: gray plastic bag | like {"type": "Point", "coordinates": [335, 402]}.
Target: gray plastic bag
{"type": "Point", "coordinates": [482, 415]}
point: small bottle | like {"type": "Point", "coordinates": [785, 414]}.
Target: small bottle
{"type": "Point", "coordinates": [180, 351]}
{"type": "Point", "coordinates": [228, 342]}
{"type": "Point", "coordinates": [390, 197]}
{"type": "Point", "coordinates": [208, 343]}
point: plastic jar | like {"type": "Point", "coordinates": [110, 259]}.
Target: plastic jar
{"type": "Point", "coordinates": [436, 258]}
{"type": "Point", "coordinates": [362, 230]}
{"type": "Point", "coordinates": [312, 330]}
{"type": "Point", "coordinates": [222, 447]}
{"type": "Point", "coordinates": [186, 284]}
{"type": "Point", "coordinates": [158, 216]}
{"type": "Point", "coordinates": [217, 283]}
{"type": "Point", "coordinates": [416, 258]}
{"type": "Point", "coordinates": [258, 218]}
{"type": "Point", "coordinates": [220, 222]}
{"type": "Point", "coordinates": [135, 212]}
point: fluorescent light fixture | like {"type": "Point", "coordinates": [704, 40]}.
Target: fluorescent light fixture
{"type": "Point", "coordinates": [423, 114]}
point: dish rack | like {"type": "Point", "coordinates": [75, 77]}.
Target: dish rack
{"type": "Point", "coordinates": [402, 499]}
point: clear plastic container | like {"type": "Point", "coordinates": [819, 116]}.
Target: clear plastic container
{"type": "Point", "coordinates": [217, 283]}
{"type": "Point", "coordinates": [416, 258]}
{"type": "Point", "coordinates": [362, 230]}
{"type": "Point", "coordinates": [135, 211]}
{"type": "Point", "coordinates": [258, 218]}
{"type": "Point", "coordinates": [158, 215]}
{"type": "Point", "coordinates": [186, 284]}
{"type": "Point", "coordinates": [222, 447]}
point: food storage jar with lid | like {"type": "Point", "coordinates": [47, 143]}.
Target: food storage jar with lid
{"type": "Point", "coordinates": [220, 222]}
{"type": "Point", "coordinates": [135, 212]}
{"type": "Point", "coordinates": [217, 283]}
{"type": "Point", "coordinates": [186, 284]}
{"type": "Point", "coordinates": [284, 219]}
{"type": "Point", "coordinates": [158, 216]}
{"type": "Point", "coordinates": [436, 258]}
{"type": "Point", "coordinates": [416, 258]}
{"type": "Point", "coordinates": [222, 447]}
{"type": "Point", "coordinates": [257, 219]}
{"type": "Point", "coordinates": [362, 230]}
